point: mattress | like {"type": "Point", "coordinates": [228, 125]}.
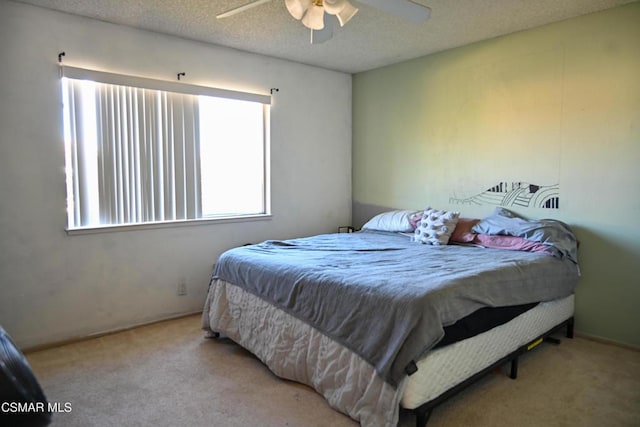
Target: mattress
{"type": "Point", "coordinates": [448, 366]}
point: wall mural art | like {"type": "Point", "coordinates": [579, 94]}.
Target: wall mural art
{"type": "Point", "coordinates": [515, 194]}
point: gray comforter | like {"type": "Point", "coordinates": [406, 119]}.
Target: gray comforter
{"type": "Point", "coordinates": [385, 297]}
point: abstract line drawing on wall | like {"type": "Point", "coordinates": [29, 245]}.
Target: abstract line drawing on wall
{"type": "Point", "coordinates": [521, 194]}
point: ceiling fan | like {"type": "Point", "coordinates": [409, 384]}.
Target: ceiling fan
{"type": "Point", "coordinates": [317, 15]}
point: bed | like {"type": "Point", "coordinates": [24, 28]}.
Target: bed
{"type": "Point", "coordinates": [358, 316]}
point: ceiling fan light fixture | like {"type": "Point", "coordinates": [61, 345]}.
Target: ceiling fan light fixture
{"type": "Point", "coordinates": [333, 7]}
{"type": "Point", "coordinates": [342, 9]}
{"type": "Point", "coordinates": [297, 8]}
{"type": "Point", "coordinates": [347, 12]}
{"type": "Point", "coordinates": [314, 18]}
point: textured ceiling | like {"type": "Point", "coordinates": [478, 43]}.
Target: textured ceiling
{"type": "Point", "coordinates": [370, 40]}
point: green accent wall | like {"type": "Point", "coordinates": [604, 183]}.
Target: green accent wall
{"type": "Point", "coordinates": [556, 105]}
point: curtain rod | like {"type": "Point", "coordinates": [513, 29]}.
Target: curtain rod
{"type": "Point", "coordinates": [168, 86]}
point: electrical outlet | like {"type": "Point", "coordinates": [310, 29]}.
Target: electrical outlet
{"type": "Point", "coordinates": [182, 289]}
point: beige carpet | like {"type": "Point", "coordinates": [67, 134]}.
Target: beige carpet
{"type": "Point", "coordinates": [168, 374]}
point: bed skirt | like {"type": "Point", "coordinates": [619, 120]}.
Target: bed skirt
{"type": "Point", "coordinates": [296, 351]}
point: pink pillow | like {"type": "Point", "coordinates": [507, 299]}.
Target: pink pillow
{"type": "Point", "coordinates": [462, 232]}
{"type": "Point", "coordinates": [511, 243]}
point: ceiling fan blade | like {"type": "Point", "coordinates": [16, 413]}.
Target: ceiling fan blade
{"type": "Point", "coordinates": [321, 36]}
{"type": "Point", "coordinates": [242, 8]}
{"type": "Point", "coordinates": [406, 9]}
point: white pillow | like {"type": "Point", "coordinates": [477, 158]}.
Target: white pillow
{"type": "Point", "coordinates": [395, 221]}
{"type": "Point", "coordinates": [436, 226]}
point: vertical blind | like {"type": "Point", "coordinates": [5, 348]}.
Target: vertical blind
{"type": "Point", "coordinates": [133, 149]}
{"type": "Point", "coordinates": [147, 144]}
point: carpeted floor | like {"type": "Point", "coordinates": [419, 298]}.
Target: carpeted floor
{"type": "Point", "coordinates": [168, 374]}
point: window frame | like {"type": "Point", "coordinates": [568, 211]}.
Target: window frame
{"type": "Point", "coordinates": [181, 88]}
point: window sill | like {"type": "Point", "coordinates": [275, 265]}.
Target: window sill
{"type": "Point", "coordinates": [168, 224]}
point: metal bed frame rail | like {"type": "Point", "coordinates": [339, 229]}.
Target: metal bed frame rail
{"type": "Point", "coordinates": [423, 412]}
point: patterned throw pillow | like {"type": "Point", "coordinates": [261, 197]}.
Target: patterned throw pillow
{"type": "Point", "coordinates": [436, 226]}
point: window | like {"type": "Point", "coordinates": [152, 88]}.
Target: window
{"type": "Point", "coordinates": [143, 151]}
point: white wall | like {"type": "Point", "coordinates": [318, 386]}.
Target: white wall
{"type": "Point", "coordinates": [55, 287]}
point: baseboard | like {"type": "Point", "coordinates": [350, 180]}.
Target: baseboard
{"type": "Point", "coordinates": [74, 340]}
{"type": "Point", "coordinates": [607, 341]}
{"type": "Point", "coordinates": [180, 316]}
